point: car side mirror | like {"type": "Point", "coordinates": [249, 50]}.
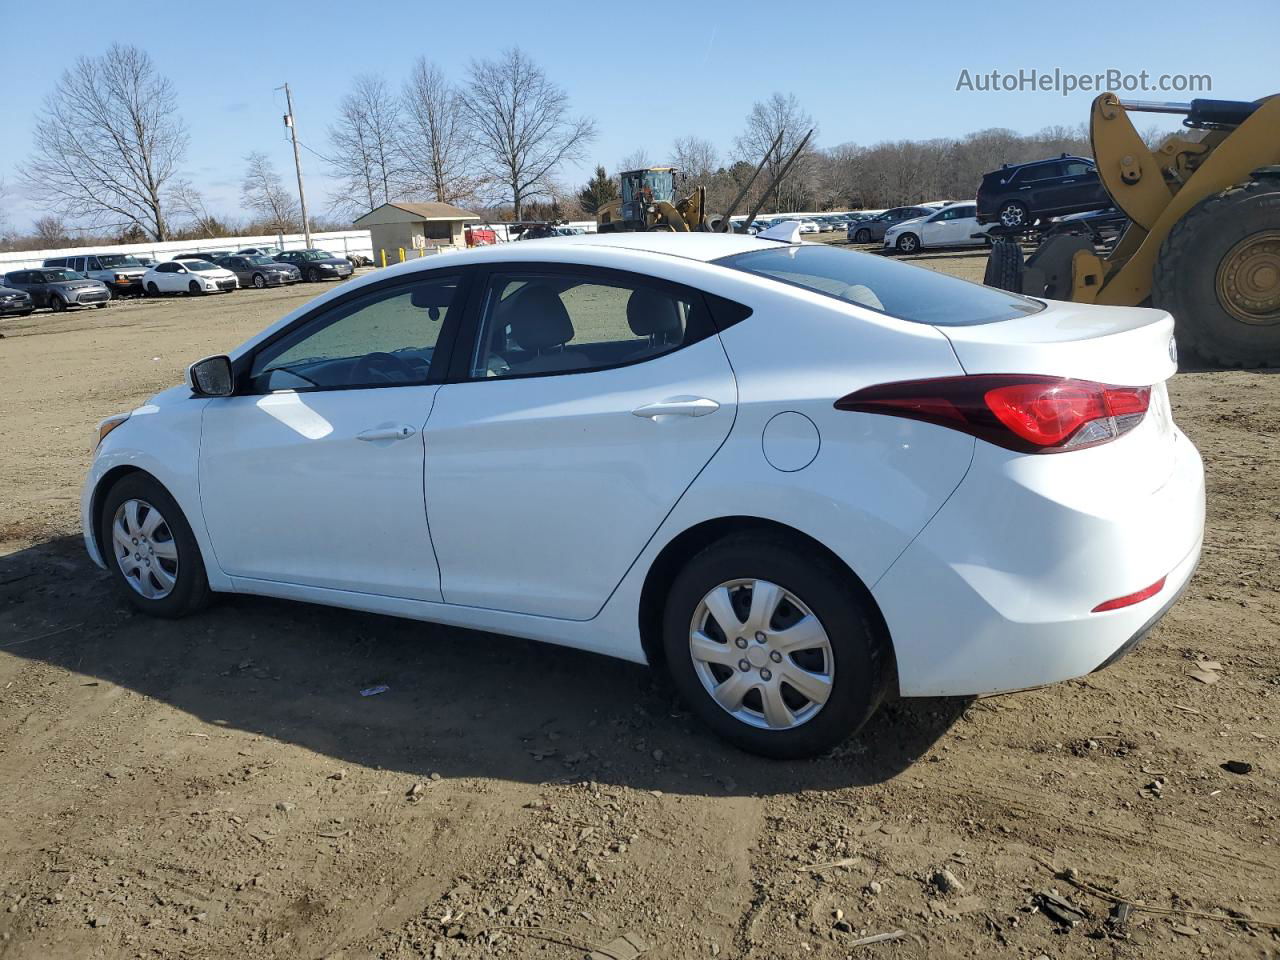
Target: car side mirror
{"type": "Point", "coordinates": [211, 377]}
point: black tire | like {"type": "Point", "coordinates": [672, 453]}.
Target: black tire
{"type": "Point", "coordinates": [1193, 261]}
{"type": "Point", "coordinates": [191, 589]}
{"type": "Point", "coordinates": [313, 275]}
{"type": "Point", "coordinates": [25, 313]}
{"type": "Point", "coordinates": [1013, 213]}
{"type": "Point", "coordinates": [259, 281]}
{"type": "Point", "coordinates": [193, 288]}
{"type": "Point", "coordinates": [861, 656]}
{"type": "Point", "coordinates": [1004, 266]}
{"type": "Point", "coordinates": [908, 243]}
{"type": "Point", "coordinates": [152, 289]}
{"type": "Point", "coordinates": [57, 304]}
{"type": "Point", "coordinates": [862, 236]}
{"type": "Point", "coordinates": [100, 306]}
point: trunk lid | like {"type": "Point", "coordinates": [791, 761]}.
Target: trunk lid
{"type": "Point", "coordinates": [1123, 346]}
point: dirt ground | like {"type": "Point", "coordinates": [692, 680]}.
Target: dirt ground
{"type": "Point", "coordinates": [218, 788]}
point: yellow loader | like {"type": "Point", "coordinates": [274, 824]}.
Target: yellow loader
{"type": "Point", "coordinates": [1203, 239]}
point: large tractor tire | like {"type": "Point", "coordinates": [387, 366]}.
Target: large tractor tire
{"type": "Point", "coordinates": [1218, 273]}
{"type": "Point", "coordinates": [1004, 265]}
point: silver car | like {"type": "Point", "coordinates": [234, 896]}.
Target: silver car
{"type": "Point", "coordinates": [259, 271]}
{"type": "Point", "coordinates": [121, 274]}
{"type": "Point", "coordinates": [58, 288]}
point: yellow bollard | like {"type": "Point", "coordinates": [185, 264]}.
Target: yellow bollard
{"type": "Point", "coordinates": [402, 254]}
{"type": "Point", "coordinates": [383, 252]}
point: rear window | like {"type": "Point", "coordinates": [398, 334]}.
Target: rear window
{"type": "Point", "coordinates": [895, 289]}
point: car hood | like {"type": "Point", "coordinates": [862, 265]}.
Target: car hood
{"type": "Point", "coordinates": [77, 284]}
{"type": "Point", "coordinates": [906, 223]}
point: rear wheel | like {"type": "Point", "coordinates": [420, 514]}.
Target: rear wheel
{"type": "Point", "coordinates": [862, 236]}
{"type": "Point", "coordinates": [908, 243]}
{"type": "Point", "coordinates": [1218, 273]}
{"type": "Point", "coordinates": [1004, 266]}
{"type": "Point", "coordinates": [772, 647]}
{"type": "Point", "coordinates": [150, 549]}
{"type": "Point", "coordinates": [1014, 214]}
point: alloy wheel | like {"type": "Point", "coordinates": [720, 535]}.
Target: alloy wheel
{"type": "Point", "coordinates": [145, 549]}
{"type": "Point", "coordinates": [1013, 216]}
{"type": "Point", "coordinates": [761, 654]}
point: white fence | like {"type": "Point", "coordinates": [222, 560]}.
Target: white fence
{"type": "Point", "coordinates": [340, 243]}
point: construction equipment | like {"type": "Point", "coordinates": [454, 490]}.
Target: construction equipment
{"type": "Point", "coordinates": [649, 199]}
{"type": "Point", "coordinates": [1203, 240]}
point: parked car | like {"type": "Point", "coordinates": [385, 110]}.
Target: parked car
{"type": "Point", "coordinates": [798, 526]}
{"type": "Point", "coordinates": [1019, 195]}
{"type": "Point", "coordinates": [872, 229]}
{"type": "Point", "coordinates": [121, 273]}
{"type": "Point", "coordinates": [209, 256]}
{"type": "Point", "coordinates": [260, 271]}
{"type": "Point", "coordinates": [317, 264]}
{"type": "Point", "coordinates": [270, 252]}
{"type": "Point", "coordinates": [953, 226]}
{"type": "Point", "coordinates": [59, 288]}
{"type": "Point", "coordinates": [188, 276]}
{"type": "Point", "coordinates": [15, 301]}
{"type": "Point", "coordinates": [806, 226]}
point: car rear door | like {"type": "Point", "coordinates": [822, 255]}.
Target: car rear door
{"type": "Point", "coordinates": [583, 406]}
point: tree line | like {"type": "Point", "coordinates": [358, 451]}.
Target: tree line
{"type": "Point", "coordinates": [110, 142]}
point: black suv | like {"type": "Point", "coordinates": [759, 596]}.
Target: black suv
{"type": "Point", "coordinates": [1017, 195]}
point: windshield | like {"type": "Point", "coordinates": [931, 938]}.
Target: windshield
{"type": "Point", "coordinates": [316, 255]}
{"type": "Point", "coordinates": [896, 289]}
{"type": "Point", "coordinates": [60, 276]}
{"type": "Point", "coordinates": [117, 260]}
{"type": "Point", "coordinates": [200, 265]}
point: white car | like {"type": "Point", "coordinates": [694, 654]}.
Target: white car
{"type": "Point", "coordinates": [806, 226]}
{"type": "Point", "coordinates": [187, 276]}
{"type": "Point", "coordinates": [955, 225]}
{"type": "Point", "coordinates": [800, 479]}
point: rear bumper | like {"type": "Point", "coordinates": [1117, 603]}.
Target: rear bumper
{"type": "Point", "coordinates": [996, 594]}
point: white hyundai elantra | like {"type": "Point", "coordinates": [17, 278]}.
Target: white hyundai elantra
{"type": "Point", "coordinates": [800, 478]}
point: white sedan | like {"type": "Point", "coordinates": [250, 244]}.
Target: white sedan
{"type": "Point", "coordinates": [800, 479]}
{"type": "Point", "coordinates": [188, 276]}
{"type": "Point", "coordinates": [955, 225]}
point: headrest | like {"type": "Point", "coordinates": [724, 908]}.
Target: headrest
{"type": "Point", "coordinates": [652, 314]}
{"type": "Point", "coordinates": [539, 319]}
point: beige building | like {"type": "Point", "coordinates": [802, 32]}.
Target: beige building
{"type": "Point", "coordinates": [417, 228]}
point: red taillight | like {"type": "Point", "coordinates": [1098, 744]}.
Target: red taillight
{"type": "Point", "coordinates": [1129, 599]}
{"type": "Point", "coordinates": [1028, 413]}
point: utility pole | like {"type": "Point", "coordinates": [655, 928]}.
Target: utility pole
{"type": "Point", "coordinates": [297, 163]}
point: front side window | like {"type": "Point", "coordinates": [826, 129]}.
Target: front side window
{"type": "Point", "coordinates": [886, 286]}
{"type": "Point", "coordinates": [385, 338]}
{"type": "Point", "coordinates": [566, 323]}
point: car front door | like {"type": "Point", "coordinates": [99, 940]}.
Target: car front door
{"type": "Point", "coordinates": [1082, 187]}
{"type": "Point", "coordinates": [584, 406]}
{"type": "Point", "coordinates": [312, 473]}
{"type": "Point", "coordinates": [935, 231]}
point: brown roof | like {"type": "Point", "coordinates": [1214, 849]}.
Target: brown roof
{"type": "Point", "coordinates": [428, 211]}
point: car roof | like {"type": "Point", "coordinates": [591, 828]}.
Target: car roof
{"type": "Point", "coordinates": [688, 246]}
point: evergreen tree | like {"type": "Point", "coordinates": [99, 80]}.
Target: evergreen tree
{"type": "Point", "coordinates": [599, 191]}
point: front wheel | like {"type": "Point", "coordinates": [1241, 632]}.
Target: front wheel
{"type": "Point", "coordinates": [259, 281]}
{"type": "Point", "coordinates": [313, 275]}
{"type": "Point", "coordinates": [908, 243]}
{"type": "Point", "coordinates": [100, 306]}
{"type": "Point", "coordinates": [862, 236]}
{"type": "Point", "coordinates": [772, 647]}
{"type": "Point", "coordinates": [193, 288]}
{"type": "Point", "coordinates": [1014, 214]}
{"type": "Point", "coordinates": [150, 549]}
{"type": "Point", "coordinates": [152, 290]}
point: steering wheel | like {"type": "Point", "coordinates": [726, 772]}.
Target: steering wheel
{"type": "Point", "coordinates": [381, 368]}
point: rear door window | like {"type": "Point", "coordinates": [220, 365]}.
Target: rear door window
{"type": "Point", "coordinates": [885, 286]}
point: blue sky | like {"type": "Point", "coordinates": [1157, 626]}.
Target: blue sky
{"type": "Point", "coordinates": [865, 72]}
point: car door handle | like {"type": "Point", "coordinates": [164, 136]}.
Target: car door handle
{"type": "Point", "coordinates": [677, 407]}
{"type": "Point", "coordinates": [399, 432]}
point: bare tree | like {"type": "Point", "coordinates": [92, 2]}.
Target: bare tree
{"type": "Point", "coordinates": [6, 224]}
{"type": "Point", "coordinates": [365, 153]}
{"type": "Point", "coordinates": [108, 141]}
{"type": "Point", "coordinates": [697, 158]}
{"type": "Point", "coordinates": [50, 232]}
{"type": "Point", "coordinates": [780, 115]}
{"type": "Point", "coordinates": [187, 200]}
{"type": "Point", "coordinates": [433, 136]}
{"type": "Point", "coordinates": [637, 159]}
{"type": "Point", "coordinates": [520, 126]}
{"type": "Point", "coordinates": [263, 192]}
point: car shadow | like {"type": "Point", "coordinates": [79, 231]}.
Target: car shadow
{"type": "Point", "coordinates": [459, 702]}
